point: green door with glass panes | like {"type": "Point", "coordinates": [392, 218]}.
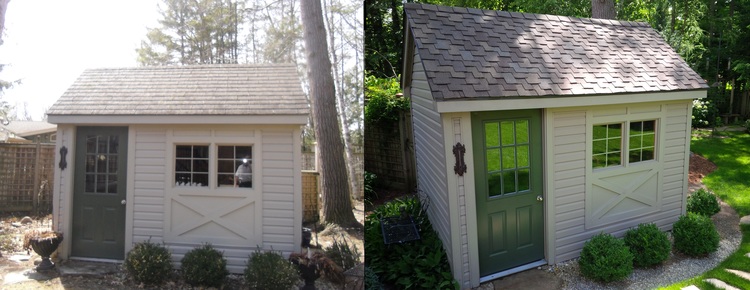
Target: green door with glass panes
{"type": "Point", "coordinates": [508, 181]}
{"type": "Point", "coordinates": [99, 192]}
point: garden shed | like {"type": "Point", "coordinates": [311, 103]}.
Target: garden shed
{"type": "Point", "coordinates": [533, 133]}
{"type": "Point", "coordinates": [151, 153]}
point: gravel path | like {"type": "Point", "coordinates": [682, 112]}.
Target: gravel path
{"type": "Point", "coordinates": [677, 268]}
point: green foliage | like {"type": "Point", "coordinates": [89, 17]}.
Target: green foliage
{"type": "Point", "coordinates": [383, 106]}
{"type": "Point", "coordinates": [149, 263]}
{"type": "Point", "coordinates": [341, 253]}
{"type": "Point", "coordinates": [605, 258]}
{"type": "Point", "coordinates": [703, 202]}
{"type": "Point", "coordinates": [648, 244]}
{"type": "Point", "coordinates": [372, 282]}
{"type": "Point", "coordinates": [269, 270]}
{"type": "Point", "coordinates": [695, 235]}
{"type": "Point", "coordinates": [704, 113]}
{"type": "Point", "coordinates": [204, 266]}
{"type": "Point", "coordinates": [731, 154]}
{"type": "Point", "coordinates": [417, 264]}
{"type": "Point", "coordinates": [370, 183]}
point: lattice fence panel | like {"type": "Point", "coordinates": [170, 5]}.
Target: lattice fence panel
{"type": "Point", "coordinates": [26, 172]}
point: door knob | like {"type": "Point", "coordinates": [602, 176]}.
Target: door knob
{"type": "Point", "coordinates": [123, 202]}
{"type": "Point", "coordinates": [538, 198]}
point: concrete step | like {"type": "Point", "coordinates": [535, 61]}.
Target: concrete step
{"type": "Point", "coordinates": [743, 275]}
{"type": "Point", "coordinates": [720, 284]}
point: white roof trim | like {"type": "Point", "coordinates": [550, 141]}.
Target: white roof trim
{"type": "Point", "coordinates": [172, 119]}
{"type": "Point", "coordinates": [468, 105]}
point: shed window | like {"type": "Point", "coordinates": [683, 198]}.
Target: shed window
{"type": "Point", "coordinates": [235, 165]}
{"type": "Point", "coordinates": [610, 141]}
{"type": "Point", "coordinates": [191, 165]}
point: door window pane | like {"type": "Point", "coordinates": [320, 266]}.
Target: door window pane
{"type": "Point", "coordinates": [100, 164]}
{"type": "Point", "coordinates": [508, 157]}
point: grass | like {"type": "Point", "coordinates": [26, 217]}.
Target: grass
{"type": "Point", "coordinates": [731, 153]}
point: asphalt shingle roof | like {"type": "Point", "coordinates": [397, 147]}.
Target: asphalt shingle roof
{"type": "Point", "coordinates": [472, 53]}
{"type": "Point", "coordinates": [185, 90]}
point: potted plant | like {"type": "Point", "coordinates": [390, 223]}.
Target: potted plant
{"type": "Point", "coordinates": [313, 265]}
{"type": "Point", "coordinates": [44, 243]}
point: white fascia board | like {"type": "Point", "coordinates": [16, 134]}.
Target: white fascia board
{"type": "Point", "coordinates": [467, 105]}
{"type": "Point", "coordinates": [175, 119]}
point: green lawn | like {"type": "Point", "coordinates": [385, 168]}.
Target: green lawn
{"type": "Point", "coordinates": [731, 181]}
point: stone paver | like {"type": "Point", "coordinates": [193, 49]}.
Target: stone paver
{"type": "Point", "coordinates": [26, 275]}
{"type": "Point", "coordinates": [720, 284]}
{"type": "Point", "coordinates": [745, 220]}
{"type": "Point", "coordinates": [742, 274]}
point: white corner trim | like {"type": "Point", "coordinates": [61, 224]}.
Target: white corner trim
{"type": "Point", "coordinates": [468, 105]}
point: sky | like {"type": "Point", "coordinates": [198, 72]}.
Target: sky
{"type": "Point", "coordinates": [49, 43]}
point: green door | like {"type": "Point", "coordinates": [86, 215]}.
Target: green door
{"type": "Point", "coordinates": [99, 192]}
{"type": "Point", "coordinates": [508, 166]}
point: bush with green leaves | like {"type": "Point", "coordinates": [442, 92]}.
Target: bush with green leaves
{"type": "Point", "coordinates": [416, 264]}
{"type": "Point", "coordinates": [370, 183]}
{"type": "Point", "coordinates": [695, 235]}
{"type": "Point", "coordinates": [703, 202]}
{"type": "Point", "coordinates": [343, 254]}
{"type": "Point", "coordinates": [372, 282]}
{"type": "Point", "coordinates": [648, 244]}
{"type": "Point", "coordinates": [269, 270]}
{"type": "Point", "coordinates": [605, 258]}
{"type": "Point", "coordinates": [383, 103]}
{"type": "Point", "coordinates": [149, 263]}
{"type": "Point", "coordinates": [204, 266]}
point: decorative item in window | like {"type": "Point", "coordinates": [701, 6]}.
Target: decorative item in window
{"type": "Point", "coordinates": [235, 166]}
{"type": "Point", "coordinates": [191, 165]}
{"type": "Point", "coordinates": [459, 150]}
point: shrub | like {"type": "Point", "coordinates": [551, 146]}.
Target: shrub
{"type": "Point", "coordinates": [149, 263]}
{"type": "Point", "coordinates": [703, 202]}
{"type": "Point", "coordinates": [204, 266]}
{"type": "Point", "coordinates": [695, 235]}
{"type": "Point", "coordinates": [417, 264]}
{"type": "Point", "coordinates": [341, 253]}
{"type": "Point", "coordinates": [605, 258]}
{"type": "Point", "coordinates": [648, 244]}
{"type": "Point", "coordinates": [371, 280]}
{"type": "Point", "coordinates": [370, 183]}
{"type": "Point", "coordinates": [269, 270]}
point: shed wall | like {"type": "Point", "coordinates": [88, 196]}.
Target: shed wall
{"type": "Point", "coordinates": [571, 186]}
{"type": "Point", "coordinates": [430, 154]}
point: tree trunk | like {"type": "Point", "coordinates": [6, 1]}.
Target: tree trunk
{"type": "Point", "coordinates": [604, 9]}
{"type": "Point", "coordinates": [337, 205]}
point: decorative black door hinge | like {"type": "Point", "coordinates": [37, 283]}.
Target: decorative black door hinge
{"type": "Point", "coordinates": [63, 153]}
{"type": "Point", "coordinates": [459, 150]}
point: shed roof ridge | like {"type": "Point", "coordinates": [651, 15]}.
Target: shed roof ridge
{"type": "Point", "coordinates": [527, 15]}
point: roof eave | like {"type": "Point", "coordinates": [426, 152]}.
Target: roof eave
{"type": "Point", "coordinates": [475, 105]}
{"type": "Point", "coordinates": [284, 119]}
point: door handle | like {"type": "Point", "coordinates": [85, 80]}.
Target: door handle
{"type": "Point", "coordinates": [538, 198]}
{"type": "Point", "coordinates": [123, 202]}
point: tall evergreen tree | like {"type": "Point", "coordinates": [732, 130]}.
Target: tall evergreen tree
{"type": "Point", "coordinates": [337, 206]}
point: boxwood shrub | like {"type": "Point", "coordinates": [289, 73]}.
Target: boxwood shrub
{"type": "Point", "coordinates": [204, 266]}
{"type": "Point", "coordinates": [648, 244]}
{"type": "Point", "coordinates": [149, 263]}
{"type": "Point", "coordinates": [695, 235]}
{"type": "Point", "coordinates": [703, 202]}
{"type": "Point", "coordinates": [605, 258]}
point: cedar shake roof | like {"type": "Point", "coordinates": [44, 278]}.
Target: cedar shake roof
{"type": "Point", "coordinates": [471, 53]}
{"type": "Point", "coordinates": [185, 90]}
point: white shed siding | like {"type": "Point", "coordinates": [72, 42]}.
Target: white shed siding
{"type": "Point", "coordinates": [430, 154]}
{"type": "Point", "coordinates": [150, 163]}
{"type": "Point", "coordinates": [568, 170]}
{"type": "Point", "coordinates": [279, 191]}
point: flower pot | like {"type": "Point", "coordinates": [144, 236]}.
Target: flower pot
{"type": "Point", "coordinates": [44, 245]}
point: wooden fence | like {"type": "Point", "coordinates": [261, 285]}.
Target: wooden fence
{"type": "Point", "coordinates": [389, 154]}
{"type": "Point", "coordinates": [308, 163]}
{"type": "Point", "coordinates": [26, 172]}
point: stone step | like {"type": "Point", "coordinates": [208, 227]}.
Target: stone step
{"type": "Point", "coordinates": [720, 284]}
{"type": "Point", "coordinates": [743, 275]}
{"type": "Point", "coordinates": [747, 255]}
{"type": "Point", "coordinates": [691, 287]}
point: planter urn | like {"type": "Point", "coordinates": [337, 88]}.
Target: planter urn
{"type": "Point", "coordinates": [44, 244]}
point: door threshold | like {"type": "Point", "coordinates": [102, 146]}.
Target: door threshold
{"type": "Point", "coordinates": [512, 271]}
{"type": "Point", "coordinates": [98, 260]}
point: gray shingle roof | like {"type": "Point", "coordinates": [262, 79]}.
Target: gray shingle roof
{"type": "Point", "coordinates": [471, 53]}
{"type": "Point", "coordinates": [27, 128]}
{"type": "Point", "coordinates": [185, 90]}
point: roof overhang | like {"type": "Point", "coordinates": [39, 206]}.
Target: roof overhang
{"type": "Point", "coordinates": [178, 119]}
{"type": "Point", "coordinates": [468, 105]}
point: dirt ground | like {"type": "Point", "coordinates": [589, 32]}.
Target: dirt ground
{"type": "Point", "coordinates": [11, 243]}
